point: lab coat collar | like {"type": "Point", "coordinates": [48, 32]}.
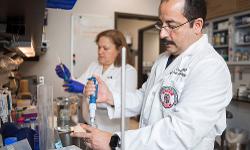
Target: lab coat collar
{"type": "Point", "coordinates": [111, 67]}
{"type": "Point", "coordinates": [163, 76]}
{"type": "Point", "coordinates": [191, 50]}
{"type": "Point", "coordinates": [194, 49]}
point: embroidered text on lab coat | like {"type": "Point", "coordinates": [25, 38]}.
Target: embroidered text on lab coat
{"type": "Point", "coordinates": [179, 72]}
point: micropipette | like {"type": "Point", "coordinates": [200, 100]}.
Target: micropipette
{"type": "Point", "coordinates": [64, 74]}
{"type": "Point", "coordinates": [92, 103]}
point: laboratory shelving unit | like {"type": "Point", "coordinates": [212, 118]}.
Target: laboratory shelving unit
{"type": "Point", "coordinates": [230, 36]}
{"type": "Point", "coordinates": [242, 37]}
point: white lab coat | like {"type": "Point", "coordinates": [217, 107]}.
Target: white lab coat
{"type": "Point", "coordinates": [199, 88]}
{"type": "Point", "coordinates": [112, 77]}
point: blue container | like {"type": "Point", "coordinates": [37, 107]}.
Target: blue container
{"type": "Point", "coordinates": [61, 4]}
{"type": "Point", "coordinates": [36, 138]}
{"type": "Point", "coordinates": [10, 140]}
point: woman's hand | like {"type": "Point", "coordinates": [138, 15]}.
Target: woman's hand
{"type": "Point", "coordinates": [104, 94]}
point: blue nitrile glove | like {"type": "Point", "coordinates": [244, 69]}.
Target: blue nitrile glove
{"type": "Point", "coordinates": [74, 86]}
{"type": "Point", "coordinates": [63, 73]}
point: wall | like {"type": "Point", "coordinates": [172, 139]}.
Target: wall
{"type": "Point", "coordinates": [132, 26]}
{"type": "Point", "coordinates": [58, 34]}
{"type": "Point", "coordinates": [150, 47]}
{"type": "Point", "coordinates": [108, 7]}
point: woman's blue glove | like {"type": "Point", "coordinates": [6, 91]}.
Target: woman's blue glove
{"type": "Point", "coordinates": [74, 86]}
{"type": "Point", "coordinates": [63, 73]}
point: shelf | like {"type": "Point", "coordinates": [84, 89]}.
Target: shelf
{"type": "Point", "coordinates": [241, 99]}
{"type": "Point", "coordinates": [242, 26]}
{"type": "Point", "coordinates": [243, 44]}
{"type": "Point", "coordinates": [238, 63]}
{"type": "Point", "coordinates": [220, 30]}
{"type": "Point", "coordinates": [220, 46]}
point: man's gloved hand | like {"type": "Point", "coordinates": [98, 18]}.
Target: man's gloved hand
{"type": "Point", "coordinates": [74, 86]}
{"type": "Point", "coordinates": [65, 75]}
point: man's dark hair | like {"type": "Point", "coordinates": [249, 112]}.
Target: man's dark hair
{"type": "Point", "coordinates": [194, 9]}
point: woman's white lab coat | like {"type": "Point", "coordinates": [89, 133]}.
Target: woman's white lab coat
{"type": "Point", "coordinates": [183, 106]}
{"type": "Point", "coordinates": [112, 77]}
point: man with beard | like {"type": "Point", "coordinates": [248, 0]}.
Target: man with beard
{"type": "Point", "coordinates": [183, 102]}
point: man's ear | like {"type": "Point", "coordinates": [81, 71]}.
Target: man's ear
{"type": "Point", "coordinates": [198, 24]}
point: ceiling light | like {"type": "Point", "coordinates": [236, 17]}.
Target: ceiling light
{"type": "Point", "coordinates": [27, 48]}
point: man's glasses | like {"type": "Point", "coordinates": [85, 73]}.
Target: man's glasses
{"type": "Point", "coordinates": [169, 28]}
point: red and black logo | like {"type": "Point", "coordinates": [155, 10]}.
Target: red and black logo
{"type": "Point", "coordinates": [168, 96]}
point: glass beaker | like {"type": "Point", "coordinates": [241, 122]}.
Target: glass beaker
{"type": "Point", "coordinates": [65, 110]}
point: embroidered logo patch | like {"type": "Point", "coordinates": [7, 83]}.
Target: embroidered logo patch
{"type": "Point", "coordinates": [168, 96]}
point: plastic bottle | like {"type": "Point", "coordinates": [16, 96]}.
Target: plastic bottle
{"type": "Point", "coordinates": [36, 137]}
{"type": "Point", "coordinates": [27, 123]}
{"type": "Point", "coordinates": [222, 39]}
{"type": "Point", "coordinates": [20, 122]}
{"type": "Point", "coordinates": [34, 126]}
{"type": "Point", "coordinates": [58, 142]}
{"type": "Point", "coordinates": [33, 123]}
